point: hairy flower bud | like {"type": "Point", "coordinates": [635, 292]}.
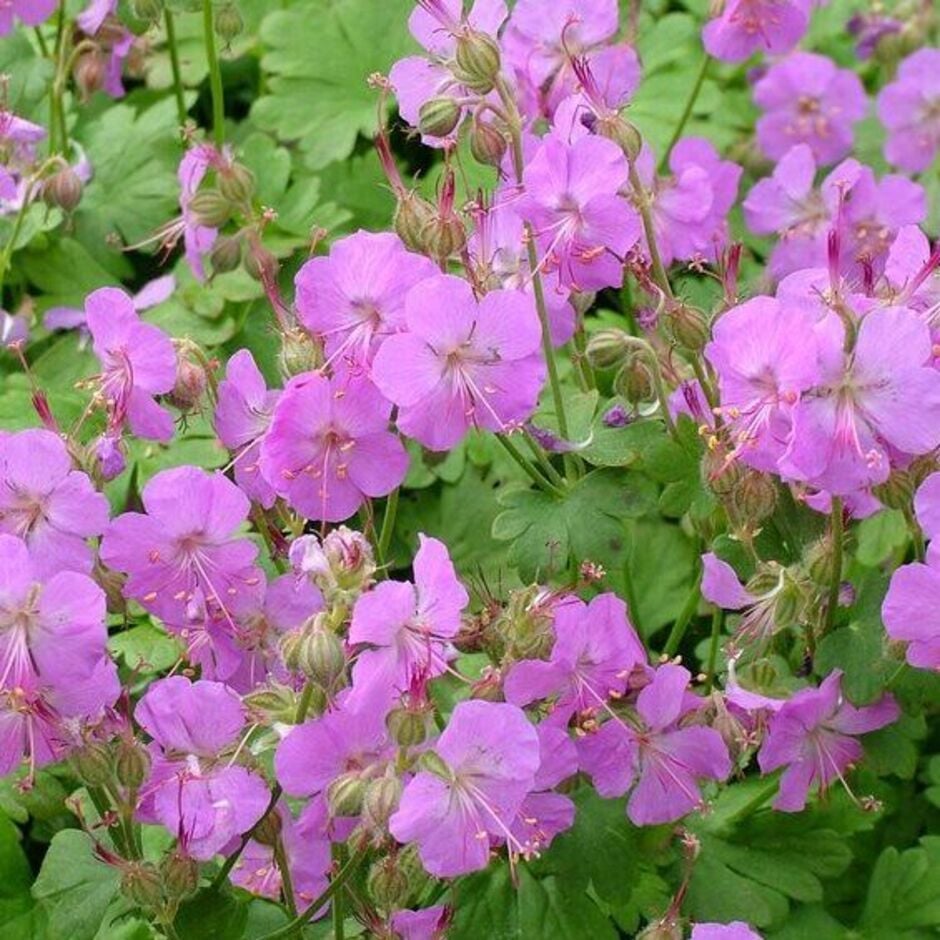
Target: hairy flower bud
{"type": "Point", "coordinates": [273, 703]}
{"type": "Point", "coordinates": [388, 885]}
{"type": "Point", "coordinates": [438, 116]}
{"type": "Point", "coordinates": [131, 764]}
{"type": "Point", "coordinates": [407, 726]}
{"type": "Point", "coordinates": [663, 930]}
{"type": "Point", "coordinates": [300, 352]}
{"type": "Point", "coordinates": [754, 497]}
{"type": "Point", "coordinates": [412, 215]}
{"type": "Point", "coordinates": [477, 61]}
{"type": "Point", "coordinates": [342, 566]}
{"type": "Point", "coordinates": [260, 264]}
{"type": "Point", "coordinates": [63, 190]}
{"type": "Point", "coordinates": [689, 327]}
{"type": "Point", "coordinates": [345, 795]}
{"type": "Point", "coordinates": [89, 73]}
{"type": "Point", "coordinates": [93, 764]}
{"type": "Point", "coordinates": [210, 208]}
{"type": "Point", "coordinates": [180, 875]}
{"type": "Point", "coordinates": [320, 654]}
{"type": "Point", "coordinates": [607, 348]}
{"type": "Point", "coordinates": [381, 800]}
{"type": "Point", "coordinates": [226, 254]}
{"type": "Point", "coordinates": [487, 144]}
{"type": "Point", "coordinates": [633, 381]}
{"type": "Point", "coordinates": [228, 23]}
{"type": "Point", "coordinates": [623, 133]}
{"type": "Point", "coordinates": [268, 830]}
{"type": "Point", "coordinates": [191, 381]}
{"type": "Point", "coordinates": [142, 884]}
{"type": "Point", "coordinates": [444, 236]}
{"type": "Point", "coordinates": [237, 184]}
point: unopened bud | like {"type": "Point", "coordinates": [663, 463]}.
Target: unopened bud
{"type": "Point", "coordinates": [477, 61]}
{"type": "Point", "coordinates": [342, 566]}
{"type": "Point", "coordinates": [381, 800]}
{"type": "Point", "coordinates": [268, 831]}
{"type": "Point", "coordinates": [93, 764]}
{"type": "Point", "coordinates": [300, 352]}
{"type": "Point", "coordinates": [226, 254]}
{"type": "Point", "coordinates": [487, 144]}
{"type": "Point", "coordinates": [109, 456]}
{"type": "Point", "coordinates": [633, 381]}
{"type": "Point", "coordinates": [664, 930]}
{"type": "Point", "coordinates": [412, 215]}
{"type": "Point", "coordinates": [63, 190]}
{"type": "Point", "coordinates": [191, 382]}
{"type": "Point", "coordinates": [89, 73]}
{"type": "Point", "coordinates": [210, 208]}
{"type": "Point", "coordinates": [444, 236]}
{"type": "Point", "coordinates": [754, 497]}
{"type": "Point", "coordinates": [237, 184]}
{"type": "Point", "coordinates": [607, 348]}
{"type": "Point", "coordinates": [345, 794]}
{"type": "Point", "coordinates": [407, 726]}
{"type": "Point", "coordinates": [260, 263]}
{"type": "Point", "coordinates": [180, 875]}
{"type": "Point", "coordinates": [438, 116]}
{"type": "Point", "coordinates": [142, 884]}
{"type": "Point", "coordinates": [388, 885]}
{"type": "Point", "coordinates": [271, 705]}
{"type": "Point", "coordinates": [689, 327]}
{"type": "Point", "coordinates": [228, 22]}
{"type": "Point", "coordinates": [623, 133]}
{"type": "Point", "coordinates": [148, 10]}
{"type": "Point", "coordinates": [131, 764]}
{"type": "Point", "coordinates": [320, 655]}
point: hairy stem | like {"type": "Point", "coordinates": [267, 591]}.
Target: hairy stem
{"type": "Point", "coordinates": [175, 65]}
{"type": "Point", "coordinates": [215, 76]}
{"type": "Point", "coordinates": [686, 111]}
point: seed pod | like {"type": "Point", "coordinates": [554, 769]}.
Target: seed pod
{"type": "Point", "coordinates": [689, 327]}
{"type": "Point", "coordinates": [487, 144]}
{"type": "Point", "coordinates": [300, 352]}
{"type": "Point", "coordinates": [237, 184]}
{"type": "Point", "coordinates": [477, 61]}
{"type": "Point", "coordinates": [755, 497]}
{"type": "Point", "coordinates": [607, 348]}
{"type": "Point", "coordinates": [142, 884]}
{"type": "Point", "coordinates": [388, 885]}
{"type": "Point", "coordinates": [444, 236]}
{"type": "Point", "coordinates": [407, 727]}
{"type": "Point", "coordinates": [381, 800]}
{"type": "Point", "coordinates": [259, 262]}
{"type": "Point", "coordinates": [191, 382]}
{"type": "Point", "coordinates": [226, 254]}
{"type": "Point", "coordinates": [180, 875]}
{"type": "Point", "coordinates": [623, 133]}
{"type": "Point", "coordinates": [210, 208]}
{"type": "Point", "coordinates": [228, 22]}
{"type": "Point", "coordinates": [634, 381]}
{"type": "Point", "coordinates": [412, 215]}
{"type": "Point", "coordinates": [320, 655]}
{"type": "Point", "coordinates": [438, 116]}
{"type": "Point", "coordinates": [131, 764]}
{"type": "Point", "coordinates": [93, 764]}
{"type": "Point", "coordinates": [89, 73]}
{"type": "Point", "coordinates": [63, 190]}
{"type": "Point", "coordinates": [345, 794]}
{"type": "Point", "coordinates": [268, 831]}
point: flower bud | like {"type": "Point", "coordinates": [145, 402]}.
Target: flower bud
{"type": "Point", "coordinates": [228, 22]}
{"type": "Point", "coordinates": [180, 875]}
{"type": "Point", "coordinates": [345, 795]}
{"type": "Point", "coordinates": [210, 208]}
{"type": "Point", "coordinates": [487, 144]}
{"type": "Point", "coordinates": [438, 116]}
{"type": "Point", "coordinates": [272, 704]}
{"type": "Point", "coordinates": [226, 254]}
{"type": "Point", "coordinates": [663, 930]}
{"type": "Point", "coordinates": [381, 800]}
{"type": "Point", "coordinates": [689, 327]}
{"type": "Point", "coordinates": [623, 133]}
{"type": "Point", "coordinates": [191, 382]}
{"type": "Point", "coordinates": [131, 764]}
{"type": "Point", "coordinates": [300, 352]}
{"type": "Point", "coordinates": [477, 61]}
{"type": "Point", "coordinates": [63, 190]}
{"type": "Point", "coordinates": [148, 10]}
{"type": "Point", "coordinates": [109, 456]}
{"type": "Point", "coordinates": [388, 885]}
{"type": "Point", "coordinates": [237, 184]}
{"type": "Point", "coordinates": [320, 654]}
{"type": "Point", "coordinates": [633, 381]}
{"type": "Point", "coordinates": [89, 73]}
{"type": "Point", "coordinates": [407, 726]}
{"type": "Point", "coordinates": [268, 831]}
{"type": "Point", "coordinates": [444, 236]}
{"type": "Point", "coordinates": [142, 884]}
{"type": "Point", "coordinates": [342, 566]}
{"type": "Point", "coordinates": [259, 262]}
{"type": "Point", "coordinates": [434, 764]}
{"type": "Point", "coordinates": [412, 215]}
{"type": "Point", "coordinates": [754, 498]}
{"type": "Point", "coordinates": [92, 764]}
{"type": "Point", "coordinates": [607, 348]}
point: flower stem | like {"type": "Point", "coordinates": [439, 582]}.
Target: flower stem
{"type": "Point", "coordinates": [717, 617]}
{"type": "Point", "coordinates": [543, 460]}
{"type": "Point", "coordinates": [755, 803]}
{"type": "Point", "coordinates": [339, 914]}
{"type": "Point", "coordinates": [287, 886]}
{"type": "Point", "coordinates": [686, 111]}
{"type": "Point", "coordinates": [175, 65]}
{"type": "Point", "coordinates": [531, 472]}
{"type": "Point", "coordinates": [836, 531]}
{"type": "Point", "coordinates": [215, 76]}
{"type": "Point", "coordinates": [677, 633]}
{"type": "Point", "coordinates": [642, 200]}
{"type": "Point", "coordinates": [388, 525]}
{"type": "Point", "coordinates": [10, 246]}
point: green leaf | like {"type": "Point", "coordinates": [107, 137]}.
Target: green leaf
{"type": "Point", "coordinates": [16, 903]}
{"type": "Point", "coordinates": [145, 648]}
{"type": "Point", "coordinates": [623, 446]}
{"type": "Point", "coordinates": [904, 892]}
{"type": "Point", "coordinates": [880, 535]}
{"type": "Point", "coordinates": [318, 57]}
{"type": "Point", "coordinates": [212, 915]}
{"type": "Point", "coordinates": [75, 887]}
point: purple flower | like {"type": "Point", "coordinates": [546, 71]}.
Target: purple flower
{"type": "Point", "coordinates": [736, 930]}
{"type": "Point", "coordinates": [462, 363]}
{"type": "Point", "coordinates": [92, 18]}
{"type": "Point", "coordinates": [329, 447]}
{"type": "Point", "coordinates": [197, 792]}
{"type": "Point", "coordinates": [152, 294]}
{"type": "Point", "coordinates": [47, 503]}
{"type": "Point", "coordinates": [765, 356]}
{"type": "Point", "coordinates": [243, 415]}
{"type": "Point", "coordinates": [884, 394]}
{"type": "Point", "coordinates": [909, 107]}
{"type": "Point", "coordinates": [813, 736]}
{"type": "Point", "coordinates": [655, 756]}
{"type": "Point", "coordinates": [18, 136]}
{"type": "Point", "coordinates": [748, 26]}
{"type": "Point", "coordinates": [30, 13]}
{"type": "Point", "coordinates": [491, 753]}
{"type": "Point", "coordinates": [407, 627]}
{"type": "Point", "coordinates": [344, 741]}
{"type": "Point", "coordinates": [870, 28]}
{"type": "Point", "coordinates": [927, 509]}
{"type": "Point", "coordinates": [138, 361]}
{"type": "Point", "coordinates": [806, 99]}
{"type": "Point", "coordinates": [430, 923]}
{"type": "Point", "coordinates": [583, 227]}
{"type": "Point", "coordinates": [184, 551]}
{"type": "Point", "coordinates": [595, 649]}
{"type": "Point", "coordinates": [355, 297]}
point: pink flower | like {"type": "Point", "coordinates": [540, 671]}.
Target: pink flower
{"type": "Point", "coordinates": [355, 297]}
{"type": "Point", "coordinates": [329, 448]}
{"type": "Point", "coordinates": [491, 753]}
{"type": "Point", "coordinates": [909, 107]}
{"type": "Point", "coordinates": [656, 757]}
{"type": "Point", "coordinates": [748, 26]}
{"type": "Point", "coordinates": [462, 362]}
{"type": "Point", "coordinates": [736, 930]}
{"type": "Point", "coordinates": [194, 789]}
{"type": "Point", "coordinates": [807, 99]}
{"type": "Point", "coordinates": [243, 415]}
{"type": "Point", "coordinates": [138, 361]}
{"type": "Point", "coordinates": [583, 227]}
{"type": "Point", "coordinates": [813, 736]}
{"type": "Point", "coordinates": [430, 923]}
{"type": "Point", "coordinates": [30, 13]}
{"type": "Point", "coordinates": [407, 627]}
{"type": "Point", "coordinates": [183, 551]}
{"type": "Point", "coordinates": [51, 506]}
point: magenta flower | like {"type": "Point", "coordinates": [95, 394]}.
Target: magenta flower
{"type": "Point", "coordinates": [807, 99]}
{"type": "Point", "coordinates": [29, 12]}
{"type": "Point", "coordinates": [736, 930]}
{"type": "Point", "coordinates": [813, 736]}
{"type": "Point", "coordinates": [339, 742]}
{"type": "Point", "coordinates": [595, 649]}
{"type": "Point", "coordinates": [183, 550]}
{"type": "Point", "coordinates": [492, 755]}
{"type": "Point", "coordinates": [927, 509]}
{"type": "Point", "coordinates": [243, 415]}
{"type": "Point", "coordinates": [909, 107]}
{"type": "Point", "coordinates": [747, 26]}
{"type": "Point", "coordinates": [138, 362]}
{"type": "Point", "coordinates": [18, 137]}
{"type": "Point", "coordinates": [430, 923]}
{"type": "Point", "coordinates": [407, 627]}
{"type": "Point", "coordinates": [194, 789]}
{"type": "Point", "coordinates": [355, 297]}
{"type": "Point", "coordinates": [43, 500]}
{"type": "Point", "coordinates": [885, 394]}
{"type": "Point", "coordinates": [462, 363]}
{"type": "Point", "coordinates": [92, 18]}
{"type": "Point", "coordinates": [765, 356]}
{"type": "Point", "coordinates": [655, 756]}
{"type": "Point", "coordinates": [329, 447]}
{"type": "Point", "coordinates": [583, 227]}
{"type": "Point", "coordinates": [152, 294]}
